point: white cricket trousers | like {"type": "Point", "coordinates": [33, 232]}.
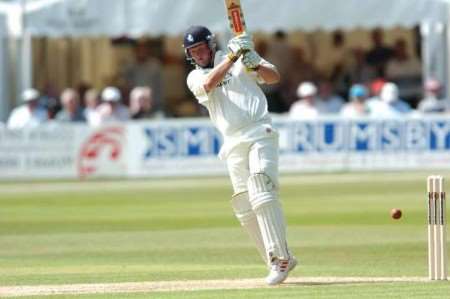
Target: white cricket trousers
{"type": "Point", "coordinates": [253, 157]}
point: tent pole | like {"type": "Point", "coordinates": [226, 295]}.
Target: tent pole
{"type": "Point", "coordinates": [446, 56]}
{"type": "Point", "coordinates": [25, 66]}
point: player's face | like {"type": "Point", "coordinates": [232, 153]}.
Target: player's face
{"type": "Point", "coordinates": [201, 54]}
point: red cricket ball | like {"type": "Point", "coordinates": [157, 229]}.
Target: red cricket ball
{"type": "Point", "coordinates": [396, 213]}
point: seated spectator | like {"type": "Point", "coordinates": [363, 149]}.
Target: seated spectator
{"type": "Point", "coordinates": [301, 70]}
{"type": "Point", "coordinates": [389, 105]}
{"type": "Point", "coordinates": [146, 70]}
{"type": "Point", "coordinates": [405, 71]}
{"type": "Point", "coordinates": [49, 99]}
{"type": "Point", "coordinates": [433, 101]}
{"type": "Point", "coordinates": [306, 106]}
{"type": "Point", "coordinates": [375, 87]}
{"type": "Point", "coordinates": [91, 103]}
{"type": "Point", "coordinates": [71, 110]}
{"type": "Point", "coordinates": [357, 106]}
{"type": "Point", "coordinates": [111, 110]}
{"type": "Point", "coordinates": [141, 103]}
{"type": "Point", "coordinates": [328, 101]}
{"type": "Point", "coordinates": [30, 114]}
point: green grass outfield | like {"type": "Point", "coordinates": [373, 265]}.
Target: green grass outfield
{"type": "Point", "coordinates": [63, 233]}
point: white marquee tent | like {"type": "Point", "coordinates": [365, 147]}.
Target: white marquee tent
{"type": "Point", "coordinates": [56, 18]}
{"type": "Point", "coordinates": [155, 17]}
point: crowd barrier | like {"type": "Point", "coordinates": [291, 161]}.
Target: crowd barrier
{"type": "Point", "coordinates": [190, 148]}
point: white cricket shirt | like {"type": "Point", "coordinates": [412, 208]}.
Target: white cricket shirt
{"type": "Point", "coordinates": [22, 117]}
{"type": "Point", "coordinates": [237, 106]}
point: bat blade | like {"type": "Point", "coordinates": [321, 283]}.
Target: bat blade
{"type": "Point", "coordinates": [235, 16]}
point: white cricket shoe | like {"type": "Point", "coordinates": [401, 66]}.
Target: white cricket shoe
{"type": "Point", "coordinates": [279, 270]}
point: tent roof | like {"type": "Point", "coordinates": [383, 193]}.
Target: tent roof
{"type": "Point", "coordinates": [155, 17]}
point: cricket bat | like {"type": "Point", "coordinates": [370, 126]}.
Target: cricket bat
{"type": "Point", "coordinates": [235, 16]}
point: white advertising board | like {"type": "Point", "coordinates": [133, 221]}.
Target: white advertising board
{"type": "Point", "coordinates": [190, 148]}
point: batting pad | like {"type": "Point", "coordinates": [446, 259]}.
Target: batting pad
{"type": "Point", "coordinates": [267, 207]}
{"type": "Point", "coordinates": [247, 218]}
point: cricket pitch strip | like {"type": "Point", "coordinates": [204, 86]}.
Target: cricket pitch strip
{"type": "Point", "coordinates": [188, 285]}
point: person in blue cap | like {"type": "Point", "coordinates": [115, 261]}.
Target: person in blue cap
{"type": "Point", "coordinates": [357, 106]}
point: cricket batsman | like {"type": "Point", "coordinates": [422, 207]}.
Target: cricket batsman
{"type": "Point", "coordinates": [227, 85]}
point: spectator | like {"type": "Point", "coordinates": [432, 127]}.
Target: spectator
{"type": "Point", "coordinates": [306, 106]}
{"type": "Point", "coordinates": [328, 101]}
{"type": "Point", "coordinates": [357, 106]}
{"type": "Point", "coordinates": [380, 54]}
{"type": "Point", "coordinates": [390, 105]}
{"type": "Point", "coordinates": [49, 100]}
{"type": "Point", "coordinates": [358, 70]}
{"type": "Point", "coordinates": [30, 114]}
{"type": "Point", "coordinates": [91, 102]}
{"type": "Point", "coordinates": [141, 103]}
{"type": "Point", "coordinates": [405, 71]}
{"type": "Point", "coordinates": [331, 61]}
{"type": "Point", "coordinates": [276, 102]}
{"type": "Point", "coordinates": [279, 52]}
{"type": "Point", "coordinates": [71, 110]}
{"type": "Point", "coordinates": [339, 61]}
{"type": "Point", "coordinates": [433, 101]}
{"type": "Point", "coordinates": [111, 110]}
{"type": "Point", "coordinates": [301, 70]}
{"type": "Point", "coordinates": [376, 86]}
{"type": "Point", "coordinates": [374, 100]}
{"type": "Point", "coordinates": [146, 71]}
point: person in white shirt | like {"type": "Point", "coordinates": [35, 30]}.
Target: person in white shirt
{"type": "Point", "coordinates": [91, 102]}
{"type": "Point", "coordinates": [357, 106]}
{"type": "Point", "coordinates": [306, 108]}
{"type": "Point", "coordinates": [389, 105]}
{"type": "Point", "coordinates": [433, 102]}
{"type": "Point", "coordinates": [226, 84]}
{"type": "Point", "coordinates": [28, 115]}
{"type": "Point", "coordinates": [111, 110]}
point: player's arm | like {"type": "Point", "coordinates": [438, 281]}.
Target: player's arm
{"type": "Point", "coordinates": [267, 72]}
{"type": "Point", "coordinates": [218, 73]}
{"type": "Point", "coordinates": [236, 47]}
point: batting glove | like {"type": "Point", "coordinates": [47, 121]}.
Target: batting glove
{"type": "Point", "coordinates": [251, 60]}
{"type": "Point", "coordinates": [240, 44]}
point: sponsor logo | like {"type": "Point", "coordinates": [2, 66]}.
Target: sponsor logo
{"type": "Point", "coordinates": [187, 142]}
{"type": "Point", "coordinates": [364, 136]}
{"type": "Point", "coordinates": [103, 149]}
{"type": "Point", "coordinates": [226, 80]}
